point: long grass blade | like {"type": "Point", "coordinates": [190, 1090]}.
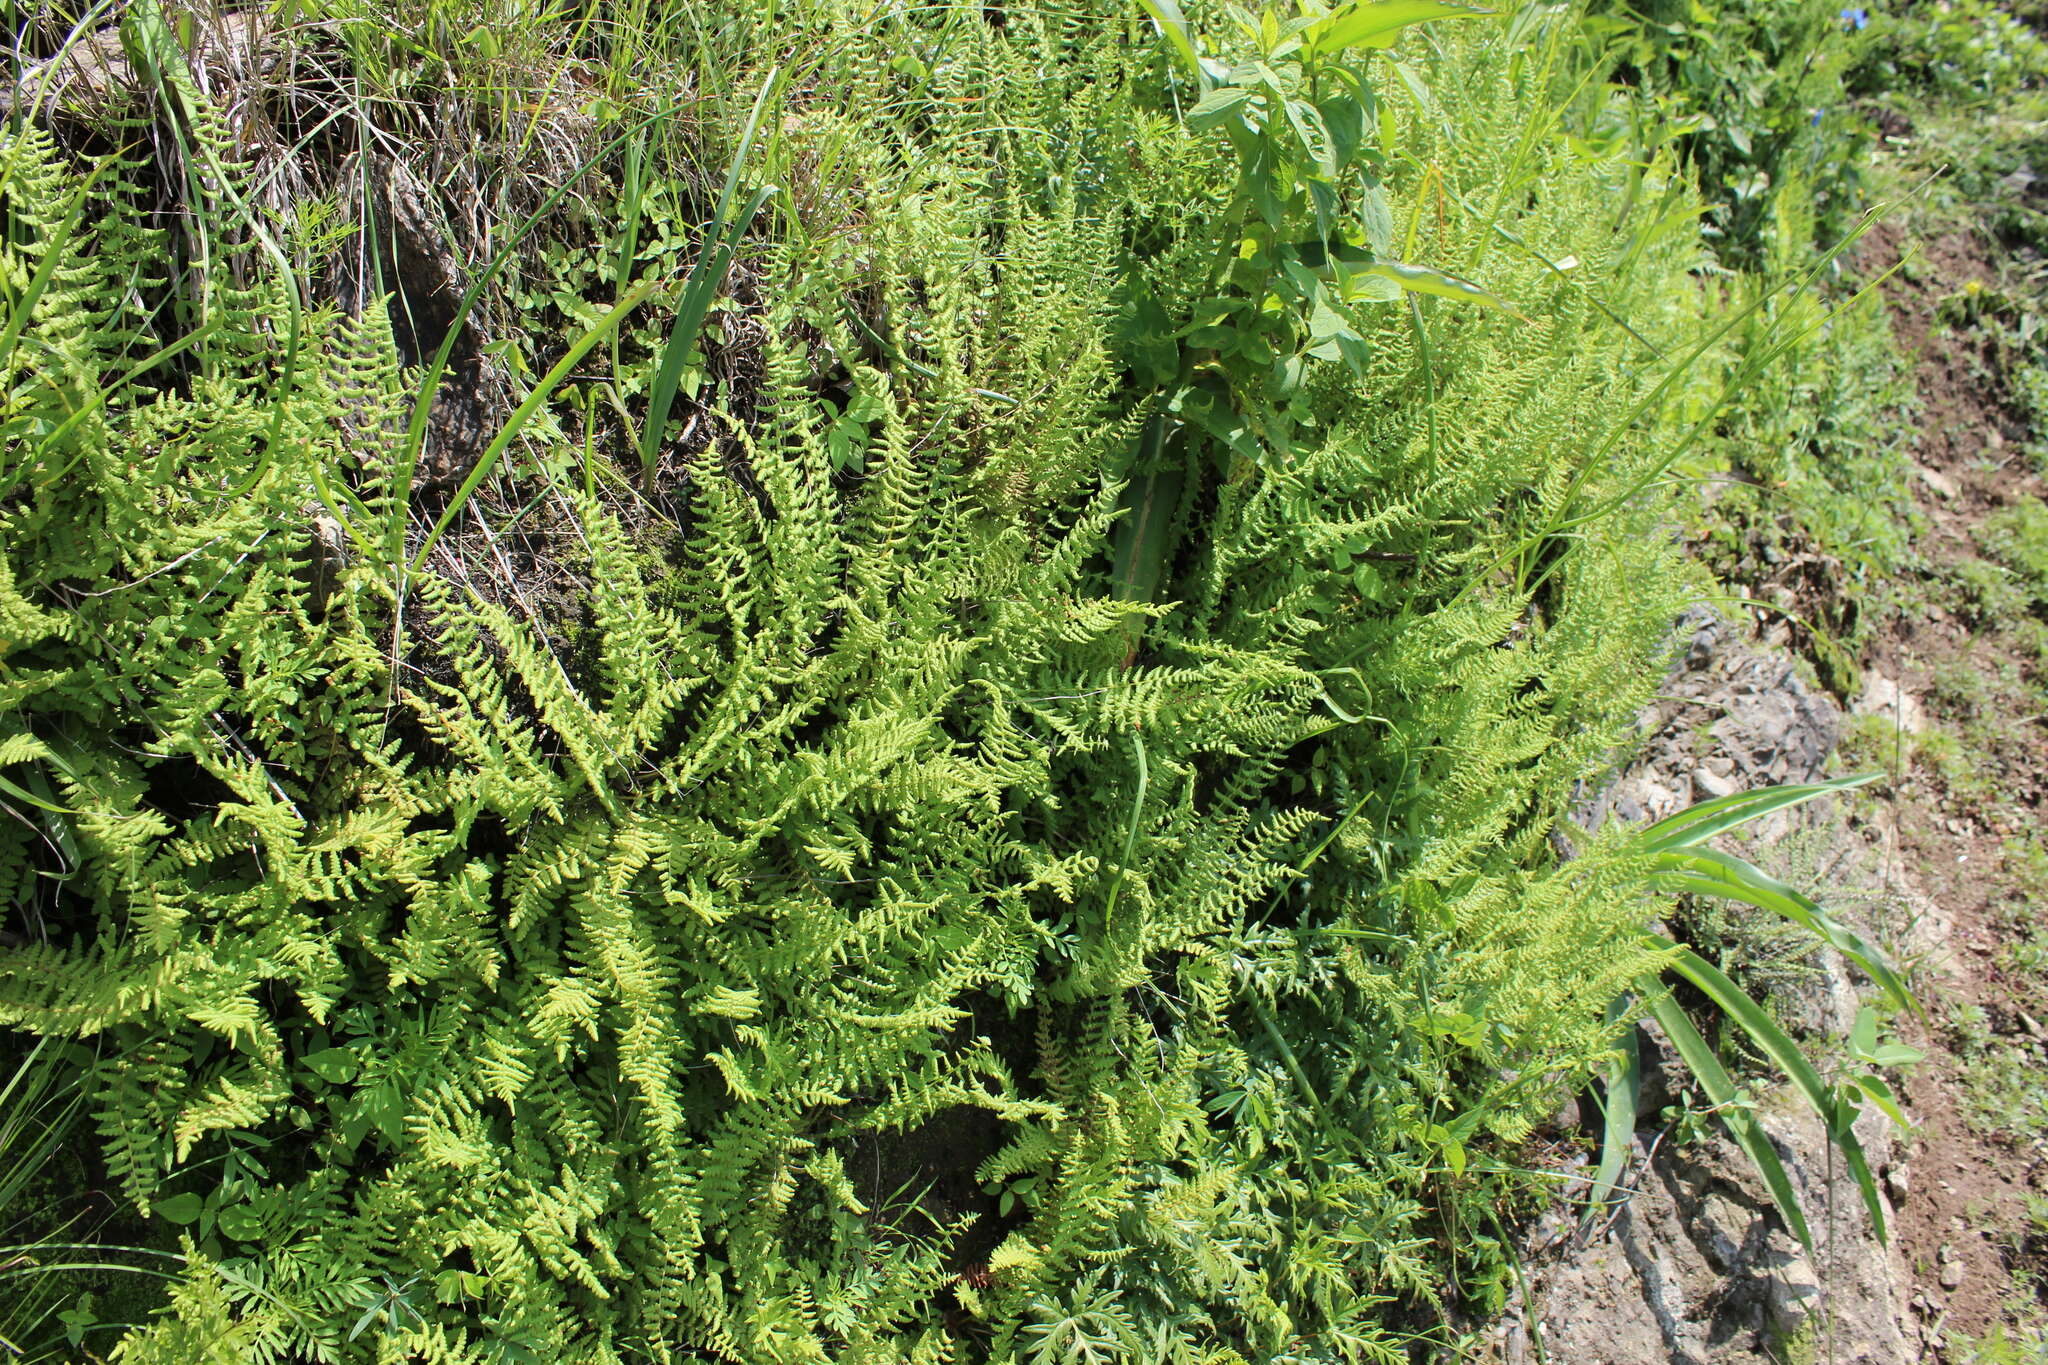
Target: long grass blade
{"type": "Point", "coordinates": [1138, 549]}
{"type": "Point", "coordinates": [599, 330]}
{"type": "Point", "coordinates": [430, 377]}
{"type": "Point", "coordinates": [721, 239]}
{"type": "Point", "coordinates": [1720, 1091]}
{"type": "Point", "coordinates": [1766, 1034]}
{"type": "Point", "coordinates": [1173, 26]}
{"type": "Point", "coordinates": [1710, 872]}
{"type": "Point", "coordinates": [1619, 1110]}
{"type": "Point", "coordinates": [1697, 824]}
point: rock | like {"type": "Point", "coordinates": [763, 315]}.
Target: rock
{"type": "Point", "coordinates": [1791, 1296]}
{"type": "Point", "coordinates": [1707, 785]}
{"type": "Point", "coordinates": [1883, 696]}
{"type": "Point", "coordinates": [1952, 1275]}
{"type": "Point", "coordinates": [1938, 481]}
{"type": "Point", "coordinates": [1760, 722]}
{"type": "Point", "coordinates": [1696, 1270]}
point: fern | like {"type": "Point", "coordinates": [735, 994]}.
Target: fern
{"type": "Point", "coordinates": [595, 973]}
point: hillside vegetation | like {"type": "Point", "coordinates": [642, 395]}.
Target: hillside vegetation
{"type": "Point", "coordinates": [837, 681]}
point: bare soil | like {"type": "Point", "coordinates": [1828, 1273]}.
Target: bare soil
{"type": "Point", "coordinates": [1964, 1199]}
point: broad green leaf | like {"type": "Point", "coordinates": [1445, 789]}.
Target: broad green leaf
{"type": "Point", "coordinates": [336, 1064]}
{"type": "Point", "coordinates": [1325, 322]}
{"type": "Point", "coordinates": [180, 1208]}
{"type": "Point", "coordinates": [1378, 25]}
{"type": "Point", "coordinates": [1881, 1095]}
{"type": "Point", "coordinates": [240, 1222]}
{"type": "Point", "coordinates": [1372, 289]}
{"type": "Point", "coordinates": [1216, 106]}
{"type": "Point", "coordinates": [1344, 117]}
{"type": "Point", "coordinates": [1376, 216]}
{"type": "Point", "coordinates": [1307, 122]}
{"type": "Point", "coordinates": [1421, 279]}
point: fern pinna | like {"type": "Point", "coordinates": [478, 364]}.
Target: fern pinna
{"type": "Point", "coordinates": [827, 937]}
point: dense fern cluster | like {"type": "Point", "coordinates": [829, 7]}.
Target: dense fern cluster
{"type": "Point", "coordinates": [504, 987]}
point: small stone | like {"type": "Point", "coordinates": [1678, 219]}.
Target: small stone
{"type": "Point", "coordinates": [1710, 785]}
{"type": "Point", "coordinates": [1896, 1184]}
{"type": "Point", "coordinates": [1952, 1275]}
{"type": "Point", "coordinates": [1938, 481]}
{"type": "Point", "coordinates": [1793, 1293]}
{"type": "Point", "coordinates": [1884, 697]}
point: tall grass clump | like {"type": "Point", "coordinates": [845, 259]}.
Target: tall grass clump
{"type": "Point", "coordinates": [746, 870]}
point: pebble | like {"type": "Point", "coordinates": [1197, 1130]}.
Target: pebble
{"type": "Point", "coordinates": [1938, 481]}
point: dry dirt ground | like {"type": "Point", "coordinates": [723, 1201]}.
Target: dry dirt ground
{"type": "Point", "coordinates": [1965, 1203]}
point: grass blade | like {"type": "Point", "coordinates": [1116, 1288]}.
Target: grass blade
{"type": "Point", "coordinates": [1740, 1123]}
{"type": "Point", "coordinates": [721, 239]}
{"type": "Point", "coordinates": [1618, 1131]}
{"type": "Point", "coordinates": [1422, 279]}
{"type": "Point", "coordinates": [599, 330]}
{"type": "Point", "coordinates": [1710, 872]}
{"type": "Point", "coordinates": [1764, 1031]}
{"type": "Point", "coordinates": [1180, 36]}
{"type": "Point", "coordinates": [1697, 824]}
{"type": "Point", "coordinates": [430, 376]}
{"type": "Point", "coordinates": [1139, 548]}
